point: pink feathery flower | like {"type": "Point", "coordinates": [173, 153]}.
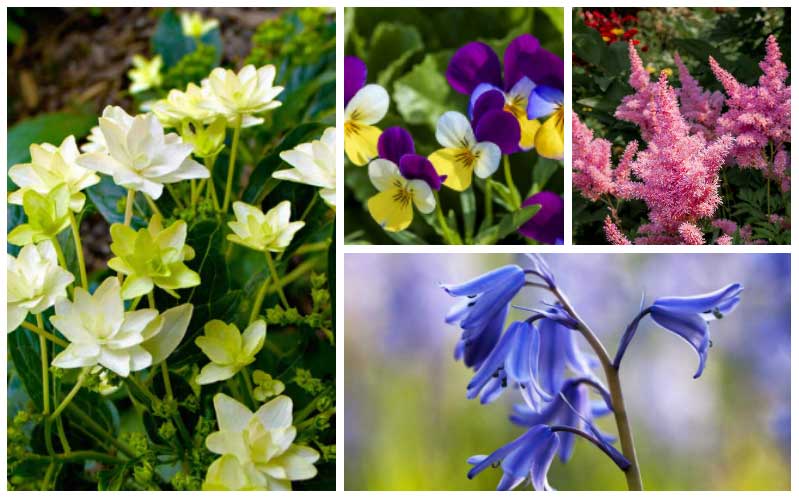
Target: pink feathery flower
{"type": "Point", "coordinates": [614, 234]}
{"type": "Point", "coordinates": [727, 226]}
{"type": "Point", "coordinates": [591, 171]}
{"type": "Point", "coordinates": [781, 169]}
{"type": "Point", "coordinates": [657, 240]}
{"type": "Point", "coordinates": [724, 240]}
{"type": "Point", "coordinates": [678, 170]}
{"type": "Point", "coordinates": [757, 115]}
{"type": "Point", "coordinates": [691, 234]}
{"type": "Point", "coordinates": [635, 108]}
{"type": "Point", "coordinates": [746, 233]}
{"type": "Point", "coordinates": [699, 107]}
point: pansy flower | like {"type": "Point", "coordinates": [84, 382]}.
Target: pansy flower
{"type": "Point", "coordinates": [547, 102]}
{"type": "Point", "coordinates": [475, 70]}
{"type": "Point", "coordinates": [403, 178]}
{"type": "Point", "coordinates": [364, 106]}
{"type": "Point", "coordinates": [546, 226]}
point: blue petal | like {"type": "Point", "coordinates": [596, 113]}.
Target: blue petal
{"type": "Point", "coordinates": [691, 327]}
{"type": "Point", "coordinates": [724, 298]}
{"type": "Point", "coordinates": [541, 269]}
{"type": "Point", "coordinates": [493, 101]}
{"type": "Point", "coordinates": [543, 101]}
{"type": "Point", "coordinates": [485, 281]}
{"type": "Point", "coordinates": [493, 362]}
{"type": "Point", "coordinates": [552, 358]}
{"type": "Point", "coordinates": [481, 341]}
{"type": "Point", "coordinates": [522, 363]}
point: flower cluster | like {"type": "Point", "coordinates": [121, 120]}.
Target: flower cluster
{"type": "Point", "coordinates": [511, 110]}
{"type": "Point", "coordinates": [612, 27]}
{"type": "Point", "coordinates": [540, 358]}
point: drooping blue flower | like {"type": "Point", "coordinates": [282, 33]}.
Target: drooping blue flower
{"type": "Point", "coordinates": [481, 311]}
{"type": "Point", "coordinates": [559, 350]}
{"type": "Point", "coordinates": [541, 269]}
{"type": "Point", "coordinates": [688, 317]}
{"type": "Point", "coordinates": [529, 456]}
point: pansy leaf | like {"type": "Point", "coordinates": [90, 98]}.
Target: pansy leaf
{"type": "Point", "coordinates": [423, 94]}
{"type": "Point", "coordinates": [392, 45]}
{"type": "Point", "coordinates": [507, 225]}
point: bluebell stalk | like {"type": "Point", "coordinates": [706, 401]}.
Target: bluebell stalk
{"type": "Point", "coordinates": [541, 359]}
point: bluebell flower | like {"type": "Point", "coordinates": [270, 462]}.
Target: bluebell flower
{"type": "Point", "coordinates": [559, 350]}
{"type": "Point", "coordinates": [482, 310]}
{"type": "Point", "coordinates": [541, 269]}
{"type": "Point", "coordinates": [688, 317]}
{"type": "Point", "coordinates": [529, 456]}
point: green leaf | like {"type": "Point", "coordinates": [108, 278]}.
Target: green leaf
{"type": "Point", "coordinates": [172, 45]}
{"type": "Point", "coordinates": [392, 45]}
{"type": "Point", "coordinates": [405, 238]}
{"type": "Point", "coordinates": [331, 274]}
{"type": "Point", "coordinates": [23, 347]}
{"type": "Point", "coordinates": [109, 198]}
{"type": "Point", "coordinates": [423, 94]}
{"type": "Point", "coordinates": [509, 224]}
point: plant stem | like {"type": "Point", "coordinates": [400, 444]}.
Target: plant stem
{"type": "Point", "coordinates": [151, 299]}
{"type": "Point", "coordinates": [59, 423]}
{"type": "Point", "coordinates": [441, 220]}
{"type": "Point", "coordinates": [632, 473]}
{"type": "Point", "coordinates": [278, 285]}
{"type": "Point", "coordinates": [489, 204]}
{"type": "Point", "coordinates": [259, 300]}
{"type": "Point", "coordinates": [71, 395]}
{"type": "Point", "coordinates": [129, 206]}
{"type": "Point", "coordinates": [231, 164]}
{"type": "Point", "coordinates": [517, 200]}
{"type": "Point", "coordinates": [175, 196]}
{"type": "Point", "coordinates": [45, 382]}
{"type": "Point", "coordinates": [79, 250]}
{"type": "Point", "coordinates": [248, 387]}
{"type": "Point", "coordinates": [60, 254]}
{"type": "Point", "coordinates": [308, 209]}
{"type": "Point", "coordinates": [167, 382]}
{"type": "Point", "coordinates": [153, 206]}
{"type": "Point", "coordinates": [78, 455]}
{"type": "Point", "coordinates": [211, 191]}
{"type": "Point", "coordinates": [98, 430]}
{"type": "Point", "coordinates": [44, 334]}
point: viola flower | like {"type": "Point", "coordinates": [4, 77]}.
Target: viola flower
{"type": "Point", "coordinates": [146, 74]}
{"type": "Point", "coordinates": [35, 281]}
{"type": "Point", "coordinates": [688, 317]}
{"type": "Point", "coordinates": [181, 106]}
{"type": "Point", "coordinates": [313, 164]}
{"type": "Point", "coordinates": [48, 215]}
{"type": "Point", "coordinates": [364, 106]}
{"type": "Point", "coordinates": [228, 349]}
{"type": "Point", "coordinates": [546, 226]}
{"type": "Point", "coordinates": [481, 310]}
{"type": "Point", "coordinates": [271, 231]}
{"type": "Point", "coordinates": [475, 70]}
{"type": "Point", "coordinates": [152, 256]}
{"type": "Point", "coordinates": [195, 26]}
{"type": "Point", "coordinates": [462, 154]}
{"type": "Point", "coordinates": [261, 444]}
{"type": "Point", "coordinates": [238, 96]}
{"type": "Point", "coordinates": [101, 332]}
{"type": "Point", "coordinates": [49, 167]}
{"type": "Point", "coordinates": [140, 156]}
{"type": "Point", "coordinates": [403, 179]}
{"type": "Point", "coordinates": [527, 457]}
{"type": "Point", "coordinates": [547, 102]}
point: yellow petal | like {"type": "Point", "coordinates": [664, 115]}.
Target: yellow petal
{"type": "Point", "coordinates": [457, 164]}
{"type": "Point", "coordinates": [360, 142]}
{"type": "Point", "coordinates": [392, 209]}
{"type": "Point", "coordinates": [529, 129]}
{"type": "Point", "coordinates": [549, 139]}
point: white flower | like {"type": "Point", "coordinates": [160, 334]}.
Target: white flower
{"type": "Point", "coordinates": [463, 154]}
{"type": "Point", "coordinates": [261, 443]}
{"type": "Point", "coordinates": [228, 349]}
{"type": "Point", "coordinates": [271, 231]}
{"type": "Point", "coordinates": [180, 106]}
{"type": "Point", "coordinates": [244, 94]}
{"type": "Point", "coordinates": [140, 156]}
{"type": "Point", "coordinates": [194, 25]}
{"type": "Point", "coordinates": [95, 142]}
{"type": "Point", "coordinates": [34, 281]}
{"type": "Point", "coordinates": [314, 164]}
{"type": "Point", "coordinates": [101, 332]}
{"type": "Point", "coordinates": [145, 74]}
{"type": "Point", "coordinates": [49, 167]}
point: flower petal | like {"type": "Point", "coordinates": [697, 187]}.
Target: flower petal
{"type": "Point", "coordinates": [501, 128]}
{"type": "Point", "coordinates": [449, 162]}
{"type": "Point", "coordinates": [413, 166]}
{"type": "Point", "coordinates": [472, 64]}
{"type": "Point", "coordinates": [388, 212]}
{"type": "Point", "coordinates": [368, 106]}
{"type": "Point", "coordinates": [393, 143]}
{"type": "Point", "coordinates": [354, 76]}
{"type": "Point", "coordinates": [454, 131]}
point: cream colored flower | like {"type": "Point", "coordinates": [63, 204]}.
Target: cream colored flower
{"type": "Point", "coordinates": [314, 164]}
{"type": "Point", "coordinates": [261, 444]}
{"type": "Point", "coordinates": [181, 106]}
{"type": "Point", "coordinates": [140, 156]}
{"type": "Point", "coordinates": [228, 349]}
{"type": "Point", "coordinates": [49, 167]}
{"type": "Point", "coordinates": [95, 142]}
{"type": "Point", "coordinates": [34, 282]}
{"type": "Point", "coordinates": [146, 74]}
{"type": "Point", "coordinates": [242, 94]}
{"type": "Point", "coordinates": [271, 231]}
{"type": "Point", "coordinates": [194, 25]}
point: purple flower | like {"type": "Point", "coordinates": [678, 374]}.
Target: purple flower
{"type": "Point", "coordinates": [546, 226]}
{"type": "Point", "coordinates": [354, 77]}
{"type": "Point", "coordinates": [481, 311]}
{"type": "Point", "coordinates": [396, 145]}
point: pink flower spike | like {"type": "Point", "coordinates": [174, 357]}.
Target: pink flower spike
{"type": "Point", "coordinates": [592, 174]}
{"type": "Point", "coordinates": [691, 234]}
{"type": "Point", "coordinates": [724, 240]}
{"type": "Point", "coordinates": [699, 107]}
{"type": "Point", "coordinates": [614, 234]}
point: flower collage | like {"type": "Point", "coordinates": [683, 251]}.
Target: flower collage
{"type": "Point", "coordinates": [253, 248]}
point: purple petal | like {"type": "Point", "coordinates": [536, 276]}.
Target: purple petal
{"type": "Point", "coordinates": [525, 57]}
{"type": "Point", "coordinates": [413, 166]}
{"type": "Point", "coordinates": [354, 77]}
{"type": "Point", "coordinates": [485, 97]}
{"type": "Point", "coordinates": [472, 64]}
{"type": "Point", "coordinates": [547, 225]}
{"type": "Point", "coordinates": [499, 127]}
{"type": "Point", "coordinates": [393, 143]}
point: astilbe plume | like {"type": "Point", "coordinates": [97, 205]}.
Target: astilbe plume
{"type": "Point", "coordinates": [759, 116]}
{"type": "Point", "coordinates": [699, 107]}
{"type": "Point", "coordinates": [635, 107]}
{"type": "Point", "coordinates": [614, 234]}
{"type": "Point", "coordinates": [592, 173]}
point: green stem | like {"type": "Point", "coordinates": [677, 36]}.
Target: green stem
{"type": "Point", "coordinates": [153, 207]}
{"type": "Point", "coordinates": [78, 455]}
{"type": "Point", "coordinates": [167, 382]}
{"type": "Point", "coordinates": [633, 473]}
{"type": "Point", "coordinates": [60, 254]}
{"type": "Point", "coordinates": [211, 189]}
{"type": "Point", "coordinates": [278, 285]}
{"type": "Point", "coordinates": [59, 423]}
{"type": "Point", "coordinates": [79, 250]}
{"type": "Point", "coordinates": [248, 387]}
{"type": "Point", "coordinates": [517, 199]}
{"type": "Point", "coordinates": [489, 204]}
{"type": "Point", "coordinates": [44, 334]}
{"type": "Point", "coordinates": [45, 382]}
{"type": "Point", "coordinates": [441, 220]}
{"type": "Point", "coordinates": [259, 300]}
{"type": "Point", "coordinates": [129, 206]}
{"type": "Point", "coordinates": [71, 395]}
{"type": "Point", "coordinates": [98, 430]}
{"type": "Point", "coordinates": [175, 196]}
{"type": "Point", "coordinates": [308, 209]}
{"type": "Point", "coordinates": [151, 299]}
{"type": "Point", "coordinates": [231, 164]}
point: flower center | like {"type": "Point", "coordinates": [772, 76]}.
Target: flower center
{"type": "Point", "coordinates": [351, 126]}
{"type": "Point", "coordinates": [516, 106]}
{"type": "Point", "coordinates": [403, 195]}
{"type": "Point", "coordinates": [466, 157]}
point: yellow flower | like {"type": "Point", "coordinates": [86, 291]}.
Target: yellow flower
{"type": "Point", "coordinates": [516, 102]}
{"type": "Point", "coordinates": [463, 154]}
{"type": "Point", "coordinates": [194, 25]}
{"type": "Point", "coordinates": [145, 74]}
{"type": "Point", "coordinates": [367, 107]}
{"type": "Point", "coordinates": [392, 208]}
{"type": "Point", "coordinates": [228, 349]}
{"type": "Point", "coordinates": [181, 106]}
{"type": "Point", "coordinates": [271, 231]}
{"type": "Point", "coordinates": [547, 102]}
